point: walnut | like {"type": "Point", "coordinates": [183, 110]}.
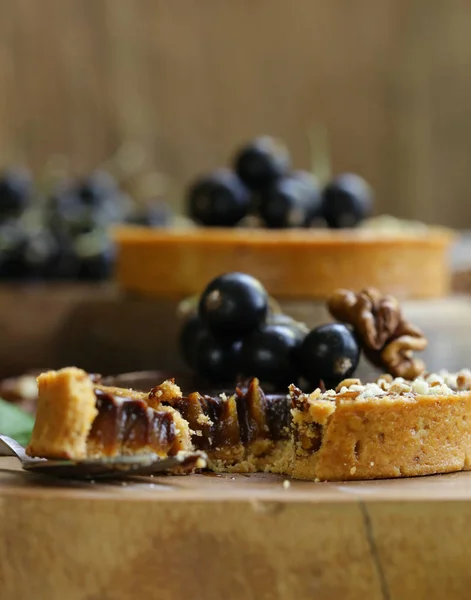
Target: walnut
{"type": "Point", "coordinates": [388, 340]}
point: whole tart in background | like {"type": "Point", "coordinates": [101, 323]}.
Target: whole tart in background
{"type": "Point", "coordinates": [408, 262]}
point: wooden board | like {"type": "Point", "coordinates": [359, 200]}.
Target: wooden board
{"type": "Point", "coordinates": [233, 537]}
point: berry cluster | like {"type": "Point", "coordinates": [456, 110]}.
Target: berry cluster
{"type": "Point", "coordinates": [234, 334]}
{"type": "Point", "coordinates": [63, 233]}
{"type": "Point", "coordinates": [262, 183]}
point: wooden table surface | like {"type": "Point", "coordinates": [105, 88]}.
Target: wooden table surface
{"type": "Point", "coordinates": [233, 537]}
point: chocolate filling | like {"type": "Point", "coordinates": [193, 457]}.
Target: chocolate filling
{"type": "Point", "coordinates": [124, 424]}
{"type": "Point", "coordinates": [242, 418]}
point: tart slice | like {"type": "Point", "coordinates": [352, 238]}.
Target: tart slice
{"type": "Point", "coordinates": [391, 428]}
{"type": "Point", "coordinates": [78, 418]}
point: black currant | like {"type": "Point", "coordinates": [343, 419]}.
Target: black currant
{"type": "Point", "coordinates": [329, 353]}
{"type": "Point", "coordinates": [193, 331]}
{"type": "Point", "coordinates": [67, 215]}
{"type": "Point", "coordinates": [269, 354]}
{"type": "Point", "coordinates": [40, 252]}
{"type": "Point", "coordinates": [15, 192]}
{"type": "Point", "coordinates": [95, 254]}
{"type": "Point", "coordinates": [234, 304]}
{"type": "Point", "coordinates": [291, 201]}
{"type": "Point", "coordinates": [65, 265]}
{"type": "Point", "coordinates": [298, 328]}
{"type": "Point", "coordinates": [261, 162]}
{"type": "Point", "coordinates": [217, 359]}
{"type": "Point", "coordinates": [152, 214]}
{"type": "Point", "coordinates": [12, 244]}
{"type": "Point", "coordinates": [96, 188]}
{"type": "Point", "coordinates": [346, 201]}
{"type": "Point", "coordinates": [218, 200]}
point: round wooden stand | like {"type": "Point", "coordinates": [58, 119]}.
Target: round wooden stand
{"type": "Point", "coordinates": [233, 537]}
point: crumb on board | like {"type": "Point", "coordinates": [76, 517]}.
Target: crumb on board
{"type": "Point", "coordinates": [286, 484]}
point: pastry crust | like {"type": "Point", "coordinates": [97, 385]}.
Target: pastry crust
{"type": "Point", "coordinates": [65, 413]}
{"type": "Point", "coordinates": [411, 264]}
{"type": "Point", "coordinates": [387, 434]}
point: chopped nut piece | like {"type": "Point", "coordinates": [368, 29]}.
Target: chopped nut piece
{"type": "Point", "coordinates": [386, 377]}
{"type": "Point", "coordinates": [463, 380]}
{"type": "Point", "coordinates": [347, 383]}
{"type": "Point", "coordinates": [387, 338]}
{"type": "Point", "coordinates": [399, 388]}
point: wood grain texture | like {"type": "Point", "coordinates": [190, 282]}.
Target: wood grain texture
{"type": "Point", "coordinates": [191, 80]}
{"type": "Point", "coordinates": [233, 537]}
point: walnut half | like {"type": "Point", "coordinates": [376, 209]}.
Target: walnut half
{"type": "Point", "coordinates": [388, 340]}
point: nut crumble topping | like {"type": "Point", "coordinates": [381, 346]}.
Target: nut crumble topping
{"type": "Point", "coordinates": [430, 384]}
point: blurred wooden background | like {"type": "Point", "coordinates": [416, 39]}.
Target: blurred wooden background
{"type": "Point", "coordinates": [191, 79]}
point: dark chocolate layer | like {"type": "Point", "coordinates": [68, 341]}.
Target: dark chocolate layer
{"type": "Point", "coordinates": [124, 424]}
{"type": "Point", "coordinates": [242, 418]}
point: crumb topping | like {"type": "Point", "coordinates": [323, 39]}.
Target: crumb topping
{"type": "Point", "coordinates": [429, 384]}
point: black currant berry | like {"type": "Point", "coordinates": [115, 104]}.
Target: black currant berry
{"type": "Point", "coordinates": [12, 244]}
{"type": "Point", "coordinates": [329, 353]}
{"type": "Point", "coordinates": [269, 354]}
{"type": "Point", "coordinates": [65, 265]}
{"type": "Point", "coordinates": [95, 254]}
{"type": "Point", "coordinates": [291, 201]}
{"type": "Point", "coordinates": [153, 214]}
{"type": "Point", "coordinates": [346, 201]}
{"type": "Point", "coordinates": [15, 192]}
{"type": "Point", "coordinates": [299, 329]}
{"type": "Point", "coordinates": [218, 200]}
{"type": "Point", "coordinates": [216, 359]}
{"type": "Point", "coordinates": [40, 251]}
{"type": "Point", "coordinates": [261, 162]}
{"type": "Point", "coordinates": [234, 304]}
{"type": "Point", "coordinates": [96, 188]}
{"type": "Point", "coordinates": [193, 331]}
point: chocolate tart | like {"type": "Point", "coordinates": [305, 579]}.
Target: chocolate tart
{"type": "Point", "coordinates": [293, 263]}
{"type": "Point", "coordinates": [391, 428]}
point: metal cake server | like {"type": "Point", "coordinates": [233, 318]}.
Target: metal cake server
{"type": "Point", "coordinates": [112, 467]}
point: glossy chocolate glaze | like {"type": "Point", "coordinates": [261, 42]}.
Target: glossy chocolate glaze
{"type": "Point", "coordinates": [129, 425]}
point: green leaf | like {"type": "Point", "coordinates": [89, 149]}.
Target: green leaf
{"type": "Point", "coordinates": [15, 422]}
